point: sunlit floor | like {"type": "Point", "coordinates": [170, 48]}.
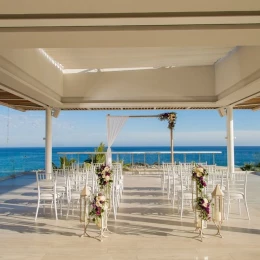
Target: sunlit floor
{"type": "Point", "coordinates": [146, 227]}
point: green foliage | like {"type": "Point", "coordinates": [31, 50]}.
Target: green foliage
{"type": "Point", "coordinates": [66, 162]}
{"type": "Point", "coordinates": [54, 166]}
{"type": "Point", "coordinates": [97, 158]}
{"type": "Point", "coordinates": [170, 117]}
{"type": "Point", "coordinates": [252, 166]}
{"type": "Point", "coordinates": [247, 167]}
{"type": "Point", "coordinates": [126, 167]}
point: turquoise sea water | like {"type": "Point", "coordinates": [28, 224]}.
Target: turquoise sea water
{"type": "Point", "coordinates": [14, 160]}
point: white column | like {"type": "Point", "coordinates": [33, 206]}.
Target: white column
{"type": "Point", "coordinates": [230, 140]}
{"type": "Point", "coordinates": [48, 141]}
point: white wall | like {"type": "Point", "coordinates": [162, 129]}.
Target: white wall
{"type": "Point", "coordinates": [192, 83]}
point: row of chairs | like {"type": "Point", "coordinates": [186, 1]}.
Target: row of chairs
{"type": "Point", "coordinates": [176, 181]}
{"type": "Point", "coordinates": [63, 187]}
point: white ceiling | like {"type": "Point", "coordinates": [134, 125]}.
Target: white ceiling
{"type": "Point", "coordinates": [99, 58]}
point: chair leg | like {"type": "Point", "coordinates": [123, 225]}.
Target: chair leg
{"type": "Point", "coordinates": [168, 188]}
{"type": "Point", "coordinates": [173, 200]}
{"type": "Point", "coordinates": [55, 209]}
{"type": "Point", "coordinates": [68, 210]}
{"type": "Point", "coordinates": [181, 207]}
{"type": "Point", "coordinates": [162, 184]}
{"type": "Point", "coordinates": [239, 208]}
{"type": "Point", "coordinates": [228, 208]}
{"type": "Point", "coordinates": [118, 199]}
{"type": "Point", "coordinates": [247, 209]}
{"type": "Point", "coordinates": [61, 207]}
{"type": "Point", "coordinates": [114, 208]}
{"type": "Point", "coordinates": [37, 210]}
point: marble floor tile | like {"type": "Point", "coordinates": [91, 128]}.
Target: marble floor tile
{"type": "Point", "coordinates": [147, 227]}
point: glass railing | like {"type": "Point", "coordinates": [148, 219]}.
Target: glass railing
{"type": "Point", "coordinates": [18, 160]}
{"type": "Point", "coordinates": [148, 158]}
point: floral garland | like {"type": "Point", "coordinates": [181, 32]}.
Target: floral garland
{"type": "Point", "coordinates": [203, 205]}
{"type": "Point", "coordinates": [170, 117]}
{"type": "Point", "coordinates": [198, 174]}
{"type": "Point", "coordinates": [104, 174]}
{"type": "Point", "coordinates": [202, 201]}
{"type": "Point", "coordinates": [98, 208]}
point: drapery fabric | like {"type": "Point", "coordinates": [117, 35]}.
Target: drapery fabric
{"type": "Point", "coordinates": [114, 125]}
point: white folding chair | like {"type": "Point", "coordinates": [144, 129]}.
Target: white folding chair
{"type": "Point", "coordinates": [185, 194]}
{"type": "Point", "coordinates": [76, 181]}
{"type": "Point", "coordinates": [237, 191]}
{"type": "Point", "coordinates": [176, 182]}
{"type": "Point", "coordinates": [47, 194]}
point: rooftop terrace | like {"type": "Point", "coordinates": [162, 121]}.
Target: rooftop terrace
{"type": "Point", "coordinates": [146, 227]}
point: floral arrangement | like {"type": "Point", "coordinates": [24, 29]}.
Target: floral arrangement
{"type": "Point", "coordinates": [98, 204]}
{"type": "Point", "coordinates": [202, 201]}
{"type": "Point", "coordinates": [203, 205]}
{"type": "Point", "coordinates": [198, 174]}
{"type": "Point", "coordinates": [170, 117]}
{"type": "Point", "coordinates": [104, 174]}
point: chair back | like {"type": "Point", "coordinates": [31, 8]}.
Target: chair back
{"type": "Point", "coordinates": [45, 183]}
{"type": "Point", "coordinates": [186, 179]}
{"type": "Point", "coordinates": [237, 182]}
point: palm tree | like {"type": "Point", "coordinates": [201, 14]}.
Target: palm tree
{"type": "Point", "coordinates": [64, 161]}
{"type": "Point", "coordinates": [97, 158]}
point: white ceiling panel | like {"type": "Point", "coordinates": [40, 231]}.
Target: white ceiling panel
{"type": "Point", "coordinates": [91, 58]}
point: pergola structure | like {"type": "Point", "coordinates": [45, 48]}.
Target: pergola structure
{"type": "Point", "coordinates": [103, 55]}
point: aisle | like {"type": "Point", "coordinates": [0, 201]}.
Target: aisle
{"type": "Point", "coordinates": [146, 211]}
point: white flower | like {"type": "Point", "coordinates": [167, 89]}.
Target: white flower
{"type": "Point", "coordinates": [106, 169]}
{"type": "Point", "coordinates": [205, 203]}
{"type": "Point", "coordinates": [103, 172]}
{"type": "Point", "coordinates": [102, 198]}
{"type": "Point", "coordinates": [171, 117]}
{"type": "Point", "coordinates": [107, 178]}
{"type": "Point", "coordinates": [200, 169]}
{"type": "Point", "coordinates": [199, 174]}
{"type": "Point", "coordinates": [98, 204]}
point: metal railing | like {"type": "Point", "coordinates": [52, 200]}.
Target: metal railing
{"type": "Point", "coordinates": [151, 158]}
{"type": "Point", "coordinates": [15, 161]}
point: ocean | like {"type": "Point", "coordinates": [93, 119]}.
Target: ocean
{"type": "Point", "coordinates": [15, 160]}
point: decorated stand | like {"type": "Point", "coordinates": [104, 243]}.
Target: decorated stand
{"type": "Point", "coordinates": [85, 208]}
{"type": "Point", "coordinates": [201, 204]}
{"type": "Point", "coordinates": [218, 208]}
{"type": "Point", "coordinates": [97, 209]}
{"type": "Point", "coordinates": [99, 214]}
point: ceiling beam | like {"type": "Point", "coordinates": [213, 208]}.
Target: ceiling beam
{"type": "Point", "coordinates": [13, 107]}
{"type": "Point", "coordinates": [132, 21]}
{"type": "Point", "coordinates": [11, 99]}
{"type": "Point", "coordinates": [126, 6]}
{"type": "Point", "coordinates": [22, 96]}
{"type": "Point", "coordinates": [151, 36]}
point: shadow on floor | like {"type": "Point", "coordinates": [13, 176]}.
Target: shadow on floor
{"type": "Point", "coordinates": [9, 185]}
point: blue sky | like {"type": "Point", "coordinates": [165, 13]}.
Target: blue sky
{"type": "Point", "coordinates": [88, 128]}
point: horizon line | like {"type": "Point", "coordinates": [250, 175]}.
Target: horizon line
{"type": "Point", "coordinates": [5, 147]}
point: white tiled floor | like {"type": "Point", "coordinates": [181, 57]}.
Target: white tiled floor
{"type": "Point", "coordinates": [146, 228]}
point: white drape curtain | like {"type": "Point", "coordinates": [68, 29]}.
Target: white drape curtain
{"type": "Point", "coordinates": [114, 125]}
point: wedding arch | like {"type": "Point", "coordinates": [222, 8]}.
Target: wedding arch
{"type": "Point", "coordinates": [115, 124]}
